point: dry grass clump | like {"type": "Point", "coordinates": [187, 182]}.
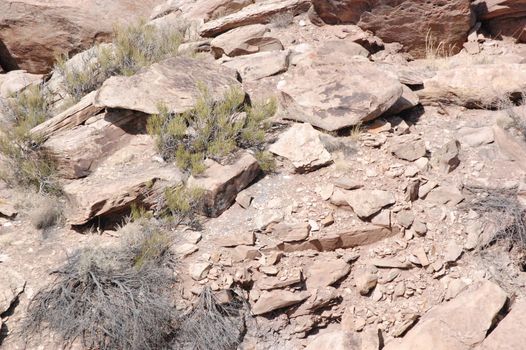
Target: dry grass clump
{"type": "Point", "coordinates": [46, 213]}
{"type": "Point", "coordinates": [436, 49]}
{"type": "Point", "coordinates": [110, 298]}
{"type": "Point", "coordinates": [134, 46]}
{"type": "Point", "coordinates": [503, 215]}
{"type": "Point", "coordinates": [24, 164]}
{"type": "Point", "coordinates": [282, 20]}
{"type": "Point", "coordinates": [212, 129]}
{"type": "Point", "coordinates": [212, 325]}
{"type": "Point", "coordinates": [515, 109]}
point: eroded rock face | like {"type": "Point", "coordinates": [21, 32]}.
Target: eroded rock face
{"type": "Point", "coordinates": [408, 22]}
{"type": "Point", "coordinates": [509, 333]}
{"type": "Point", "coordinates": [34, 32]}
{"type": "Point", "coordinates": [478, 86]}
{"type": "Point", "coordinates": [459, 324]}
{"type": "Point", "coordinates": [244, 40]}
{"type": "Point", "coordinates": [260, 12]}
{"type": "Point", "coordinates": [174, 82]}
{"type": "Point", "coordinates": [205, 10]}
{"type": "Point", "coordinates": [503, 17]}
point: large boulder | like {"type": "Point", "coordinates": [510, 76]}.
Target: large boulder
{"type": "Point", "coordinates": [244, 40]}
{"type": "Point", "coordinates": [131, 175]}
{"type": "Point", "coordinates": [34, 32]}
{"type": "Point", "coordinates": [260, 12]}
{"type": "Point", "coordinates": [509, 334]}
{"type": "Point", "coordinates": [174, 82]}
{"type": "Point", "coordinates": [478, 86]}
{"type": "Point", "coordinates": [503, 17]}
{"type": "Point", "coordinates": [333, 89]}
{"type": "Point", "coordinates": [459, 324]}
{"type": "Point", "coordinates": [205, 10]}
{"type": "Point", "coordinates": [410, 22]}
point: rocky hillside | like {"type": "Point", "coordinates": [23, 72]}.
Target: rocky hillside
{"type": "Point", "coordinates": [263, 174]}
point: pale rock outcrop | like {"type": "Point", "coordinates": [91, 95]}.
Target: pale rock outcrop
{"type": "Point", "coordinates": [477, 86]}
{"type": "Point", "coordinates": [337, 340]}
{"type": "Point", "coordinates": [244, 40]}
{"type": "Point", "coordinates": [459, 324]}
{"type": "Point", "coordinates": [326, 272]}
{"type": "Point", "coordinates": [368, 202]}
{"type": "Point", "coordinates": [174, 82]}
{"type": "Point", "coordinates": [259, 65]}
{"type": "Point", "coordinates": [34, 32]}
{"type": "Point", "coordinates": [301, 145]}
{"type": "Point", "coordinates": [409, 22]}
{"type": "Point", "coordinates": [11, 285]}
{"type": "Point", "coordinates": [509, 334]}
{"type": "Point", "coordinates": [260, 12]}
{"type": "Point", "coordinates": [205, 10]}
{"type": "Point", "coordinates": [15, 81]}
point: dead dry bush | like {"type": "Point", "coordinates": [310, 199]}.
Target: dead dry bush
{"type": "Point", "coordinates": [515, 109]}
{"type": "Point", "coordinates": [46, 213]}
{"type": "Point", "coordinates": [504, 217]}
{"type": "Point", "coordinates": [110, 298]}
{"type": "Point", "coordinates": [212, 325]}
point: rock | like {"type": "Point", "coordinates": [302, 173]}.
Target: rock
{"type": "Point", "coordinates": [475, 137]}
{"type": "Point", "coordinates": [238, 238]}
{"type": "Point", "coordinates": [458, 324]}
{"type": "Point", "coordinates": [338, 94]}
{"type": "Point", "coordinates": [277, 299]}
{"type": "Point", "coordinates": [347, 183]}
{"type": "Point", "coordinates": [266, 218]}
{"type": "Point", "coordinates": [15, 81]}
{"type": "Point", "coordinates": [408, 100]}
{"type": "Point", "coordinates": [7, 210]}
{"type": "Point", "coordinates": [199, 271]}
{"type": "Point", "coordinates": [260, 65]}
{"type": "Point", "coordinates": [11, 286]}
{"type": "Point", "coordinates": [454, 288]}
{"type": "Point", "coordinates": [383, 218]}
{"type": "Point", "coordinates": [405, 218]}
{"type": "Point", "coordinates": [411, 150]}
{"type": "Point", "coordinates": [222, 183]}
{"type": "Point", "coordinates": [72, 117]}
{"type": "Point", "coordinates": [204, 10]}
{"type": "Point", "coordinates": [319, 299]}
{"type": "Point", "coordinates": [186, 249]}
{"type": "Point", "coordinates": [174, 82]}
{"type": "Point", "coordinates": [244, 41]}
{"type": "Point", "coordinates": [193, 237]}
{"type": "Point", "coordinates": [503, 17]}
{"type": "Point", "coordinates": [244, 199]}
{"type": "Point", "coordinates": [509, 333]}
{"type": "Point", "coordinates": [128, 175]}
{"type": "Point", "coordinates": [450, 22]}
{"type": "Point", "coordinates": [421, 255]}
{"type": "Point", "coordinates": [391, 263]}
{"type": "Point", "coordinates": [424, 189]}
{"type": "Point", "coordinates": [453, 252]}
{"type": "Point", "coordinates": [286, 233]}
{"type": "Point", "coordinates": [301, 144]}
{"type": "Point", "coordinates": [446, 158]}
{"type": "Point", "coordinates": [326, 272]}
{"type": "Point", "coordinates": [511, 147]}
{"type": "Point", "coordinates": [338, 340]}
{"type": "Point", "coordinates": [260, 12]}
{"type": "Point", "coordinates": [419, 227]}
{"type": "Point", "coordinates": [269, 283]}
{"type": "Point", "coordinates": [368, 202]}
{"type": "Point", "coordinates": [441, 195]}
{"type": "Point", "coordinates": [477, 86]}
{"type": "Point", "coordinates": [365, 281]}
{"type": "Point", "coordinates": [35, 32]}
{"type": "Point", "coordinates": [244, 253]}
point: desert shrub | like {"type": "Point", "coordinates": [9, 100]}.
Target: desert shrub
{"type": "Point", "coordinates": [134, 46]}
{"type": "Point", "coordinates": [266, 161]}
{"type": "Point", "coordinates": [181, 204]}
{"type": "Point", "coordinates": [504, 217]}
{"type": "Point", "coordinates": [24, 163]}
{"type": "Point", "coordinates": [46, 213]}
{"type": "Point", "coordinates": [212, 129]}
{"type": "Point", "coordinates": [212, 325]}
{"type": "Point", "coordinates": [515, 109]}
{"type": "Point", "coordinates": [110, 298]}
